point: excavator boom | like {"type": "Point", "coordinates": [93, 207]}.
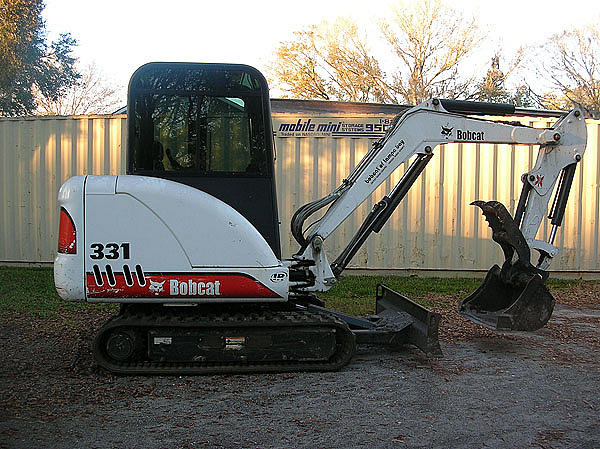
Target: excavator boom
{"type": "Point", "coordinates": [513, 298]}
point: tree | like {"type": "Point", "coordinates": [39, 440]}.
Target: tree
{"type": "Point", "coordinates": [329, 61]}
{"type": "Point", "coordinates": [28, 64]}
{"type": "Point", "coordinates": [431, 42]}
{"type": "Point", "coordinates": [493, 88]}
{"type": "Point", "coordinates": [91, 94]}
{"type": "Point", "coordinates": [333, 61]}
{"type": "Point", "coordinates": [571, 63]}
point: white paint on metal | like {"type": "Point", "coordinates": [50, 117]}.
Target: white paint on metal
{"type": "Point", "coordinates": [69, 276]}
{"type": "Point", "coordinates": [151, 225]}
{"type": "Point", "coordinates": [208, 232]}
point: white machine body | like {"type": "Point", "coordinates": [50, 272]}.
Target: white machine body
{"type": "Point", "coordinates": [143, 239]}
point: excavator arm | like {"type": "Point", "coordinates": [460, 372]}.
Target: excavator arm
{"type": "Point", "coordinates": [414, 136]}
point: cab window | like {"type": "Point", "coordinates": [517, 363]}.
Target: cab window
{"type": "Point", "coordinates": [202, 134]}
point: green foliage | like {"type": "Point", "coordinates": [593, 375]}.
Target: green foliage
{"type": "Point", "coordinates": [355, 295]}
{"type": "Point", "coordinates": [523, 97]}
{"type": "Point", "coordinates": [29, 65]}
{"type": "Point", "coordinates": [493, 86]}
{"type": "Point", "coordinates": [31, 291]}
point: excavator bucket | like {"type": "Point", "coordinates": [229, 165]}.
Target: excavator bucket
{"type": "Point", "coordinates": [514, 297]}
{"type": "Point", "coordinates": [509, 307]}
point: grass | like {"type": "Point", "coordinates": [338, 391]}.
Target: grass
{"type": "Point", "coordinates": [31, 291]}
{"type": "Point", "coordinates": [355, 295]}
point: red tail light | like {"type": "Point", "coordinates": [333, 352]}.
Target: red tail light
{"type": "Point", "coordinates": [66, 234]}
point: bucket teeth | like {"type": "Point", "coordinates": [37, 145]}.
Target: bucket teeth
{"type": "Point", "coordinates": [513, 297]}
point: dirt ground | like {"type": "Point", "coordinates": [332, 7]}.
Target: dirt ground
{"type": "Point", "coordinates": [518, 390]}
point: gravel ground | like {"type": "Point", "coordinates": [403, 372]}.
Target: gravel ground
{"type": "Point", "coordinates": [517, 390]}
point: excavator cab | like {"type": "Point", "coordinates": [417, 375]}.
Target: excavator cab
{"type": "Point", "coordinates": [207, 126]}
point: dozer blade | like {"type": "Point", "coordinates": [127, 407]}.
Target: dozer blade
{"type": "Point", "coordinates": [398, 321]}
{"type": "Point", "coordinates": [422, 325]}
{"type": "Point", "coordinates": [514, 297]}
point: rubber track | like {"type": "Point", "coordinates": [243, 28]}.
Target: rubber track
{"type": "Point", "coordinates": [346, 345]}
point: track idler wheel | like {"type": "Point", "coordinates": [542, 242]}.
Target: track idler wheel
{"type": "Point", "coordinates": [514, 297]}
{"type": "Point", "coordinates": [120, 346]}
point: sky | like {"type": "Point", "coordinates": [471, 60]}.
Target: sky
{"type": "Point", "coordinates": [119, 36]}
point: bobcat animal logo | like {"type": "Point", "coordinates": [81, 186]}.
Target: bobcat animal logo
{"type": "Point", "coordinates": [446, 131]}
{"type": "Point", "coordinates": [156, 287]}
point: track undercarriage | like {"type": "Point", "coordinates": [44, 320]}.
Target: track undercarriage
{"type": "Point", "coordinates": [146, 339]}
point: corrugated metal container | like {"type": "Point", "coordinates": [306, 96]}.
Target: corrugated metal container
{"type": "Point", "coordinates": [36, 156]}
{"type": "Point", "coordinates": [434, 230]}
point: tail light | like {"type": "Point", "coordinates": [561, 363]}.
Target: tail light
{"type": "Point", "coordinates": [66, 234]}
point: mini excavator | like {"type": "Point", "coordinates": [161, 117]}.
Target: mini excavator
{"type": "Point", "coordinates": [188, 240]}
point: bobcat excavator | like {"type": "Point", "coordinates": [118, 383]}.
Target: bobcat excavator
{"type": "Point", "coordinates": [188, 241]}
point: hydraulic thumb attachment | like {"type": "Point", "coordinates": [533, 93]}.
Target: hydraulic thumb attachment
{"type": "Point", "coordinates": [514, 297]}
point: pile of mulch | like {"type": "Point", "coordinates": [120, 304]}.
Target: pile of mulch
{"type": "Point", "coordinates": [584, 295]}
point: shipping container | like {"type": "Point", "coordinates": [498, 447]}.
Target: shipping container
{"type": "Point", "coordinates": [434, 231]}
